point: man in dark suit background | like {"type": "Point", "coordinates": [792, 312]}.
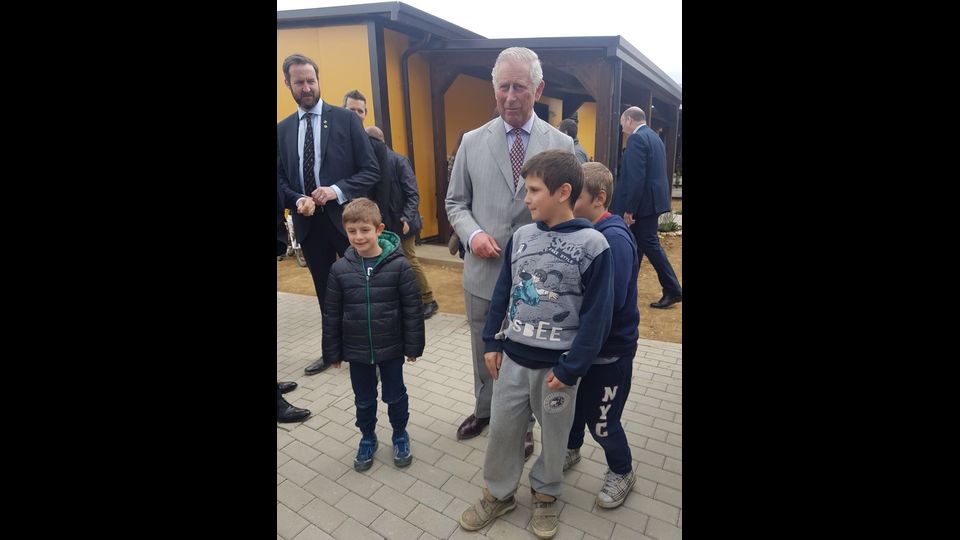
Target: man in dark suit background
{"type": "Point", "coordinates": [642, 193]}
{"type": "Point", "coordinates": [285, 411]}
{"type": "Point", "coordinates": [397, 196]}
{"type": "Point", "coordinates": [324, 159]}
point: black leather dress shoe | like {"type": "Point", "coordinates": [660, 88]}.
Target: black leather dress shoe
{"type": "Point", "coordinates": [429, 310]}
{"type": "Point", "coordinates": [527, 446]}
{"type": "Point", "coordinates": [666, 301]}
{"type": "Point", "coordinates": [316, 367]}
{"type": "Point", "coordinates": [287, 413]}
{"type": "Point", "coordinates": [471, 427]}
{"type": "Point", "coordinates": [286, 387]}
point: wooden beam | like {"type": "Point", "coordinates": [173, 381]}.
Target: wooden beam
{"type": "Point", "coordinates": [571, 104]}
{"type": "Point", "coordinates": [378, 80]}
{"type": "Point", "coordinates": [613, 117]}
{"type": "Point", "coordinates": [592, 77]}
{"type": "Point", "coordinates": [603, 80]}
{"type": "Point", "coordinates": [440, 80]}
{"type": "Point", "coordinates": [666, 114]}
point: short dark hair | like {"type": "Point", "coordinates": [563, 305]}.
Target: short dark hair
{"type": "Point", "coordinates": [555, 168]}
{"type": "Point", "coordinates": [354, 94]}
{"type": "Point", "coordinates": [362, 209]}
{"type": "Point", "coordinates": [569, 127]}
{"type": "Point", "coordinates": [299, 60]}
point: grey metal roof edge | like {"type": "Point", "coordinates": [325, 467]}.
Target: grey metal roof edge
{"type": "Point", "coordinates": [396, 11]}
{"type": "Point", "coordinates": [609, 43]}
{"type": "Point", "coordinates": [460, 38]}
{"type": "Point", "coordinates": [615, 46]}
{"type": "Point", "coordinates": [461, 32]}
{"type": "Point", "coordinates": [635, 59]}
{"type": "Point", "coordinates": [290, 15]}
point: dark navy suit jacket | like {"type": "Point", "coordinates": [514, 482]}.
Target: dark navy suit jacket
{"type": "Point", "coordinates": [346, 159]}
{"type": "Point", "coordinates": [642, 187]}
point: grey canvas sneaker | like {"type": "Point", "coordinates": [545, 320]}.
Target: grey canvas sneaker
{"type": "Point", "coordinates": [615, 489]}
{"type": "Point", "coordinates": [573, 457]}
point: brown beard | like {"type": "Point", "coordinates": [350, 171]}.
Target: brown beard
{"type": "Point", "coordinates": [300, 100]}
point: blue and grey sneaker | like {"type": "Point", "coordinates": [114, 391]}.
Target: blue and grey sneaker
{"type": "Point", "coordinates": [401, 449]}
{"type": "Point", "coordinates": [364, 459]}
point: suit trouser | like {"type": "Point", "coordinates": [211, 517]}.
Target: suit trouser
{"type": "Point", "coordinates": [648, 243]}
{"type": "Point", "coordinates": [477, 309]}
{"type": "Point", "coordinates": [518, 392]}
{"type": "Point", "coordinates": [320, 249]}
{"type": "Point", "coordinates": [410, 251]}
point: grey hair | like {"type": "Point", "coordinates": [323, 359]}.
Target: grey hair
{"type": "Point", "coordinates": [520, 54]}
{"type": "Point", "coordinates": [635, 113]}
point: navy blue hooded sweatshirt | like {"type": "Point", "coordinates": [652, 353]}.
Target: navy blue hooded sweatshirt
{"type": "Point", "coordinates": [624, 329]}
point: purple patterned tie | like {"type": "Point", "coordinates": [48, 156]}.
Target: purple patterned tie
{"type": "Point", "coordinates": [516, 157]}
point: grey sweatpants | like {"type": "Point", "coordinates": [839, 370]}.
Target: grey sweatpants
{"type": "Point", "coordinates": [516, 393]}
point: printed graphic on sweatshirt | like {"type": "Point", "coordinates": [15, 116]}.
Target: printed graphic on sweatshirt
{"type": "Point", "coordinates": [527, 291]}
{"type": "Point", "coordinates": [538, 308]}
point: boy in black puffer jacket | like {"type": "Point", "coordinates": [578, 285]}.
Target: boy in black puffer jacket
{"type": "Point", "coordinates": [373, 317]}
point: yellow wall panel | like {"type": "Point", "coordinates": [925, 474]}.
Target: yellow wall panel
{"type": "Point", "coordinates": [394, 43]}
{"type": "Point", "coordinates": [587, 127]}
{"type": "Point", "coordinates": [421, 117]}
{"type": "Point", "coordinates": [341, 53]}
{"type": "Point", "coordinates": [468, 104]}
{"type": "Point", "coordinates": [556, 109]}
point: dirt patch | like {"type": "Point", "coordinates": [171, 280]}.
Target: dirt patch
{"type": "Point", "coordinates": [447, 285]}
{"type": "Point", "coordinates": [660, 324]}
{"type": "Point", "coordinates": [293, 279]}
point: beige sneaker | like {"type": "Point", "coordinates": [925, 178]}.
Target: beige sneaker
{"type": "Point", "coordinates": [484, 511]}
{"type": "Point", "coordinates": [546, 517]}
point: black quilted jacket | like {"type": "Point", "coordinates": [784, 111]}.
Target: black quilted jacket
{"type": "Point", "coordinates": [376, 319]}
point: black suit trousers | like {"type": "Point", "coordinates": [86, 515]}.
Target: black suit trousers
{"type": "Point", "coordinates": [648, 243]}
{"type": "Point", "coordinates": [320, 248]}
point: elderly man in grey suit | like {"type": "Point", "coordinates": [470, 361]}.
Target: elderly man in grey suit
{"type": "Point", "coordinates": [485, 200]}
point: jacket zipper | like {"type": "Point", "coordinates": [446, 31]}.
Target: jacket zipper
{"type": "Point", "coordinates": [366, 274]}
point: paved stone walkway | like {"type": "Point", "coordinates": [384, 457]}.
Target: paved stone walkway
{"type": "Point", "coordinates": [319, 495]}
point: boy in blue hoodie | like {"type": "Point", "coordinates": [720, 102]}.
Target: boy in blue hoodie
{"type": "Point", "coordinates": [603, 390]}
{"type": "Point", "coordinates": [549, 316]}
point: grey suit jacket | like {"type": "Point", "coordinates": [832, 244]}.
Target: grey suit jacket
{"type": "Point", "coordinates": [480, 194]}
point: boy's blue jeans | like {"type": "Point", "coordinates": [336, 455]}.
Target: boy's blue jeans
{"type": "Point", "coordinates": [363, 378]}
